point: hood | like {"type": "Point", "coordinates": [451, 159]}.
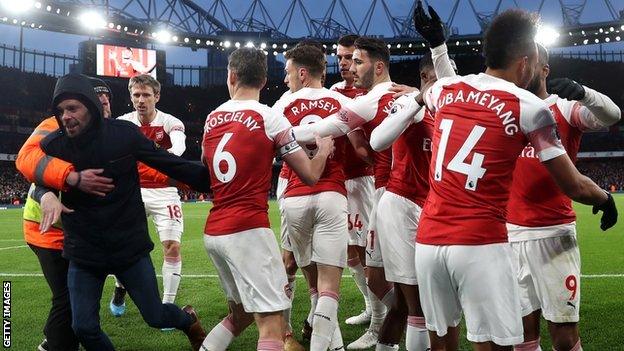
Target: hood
{"type": "Point", "coordinates": [78, 86]}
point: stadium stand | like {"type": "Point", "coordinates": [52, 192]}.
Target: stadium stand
{"type": "Point", "coordinates": [23, 107]}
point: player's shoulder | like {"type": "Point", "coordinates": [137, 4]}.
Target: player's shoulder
{"type": "Point", "coordinates": [168, 118]}
{"type": "Point", "coordinates": [338, 85]}
{"type": "Point", "coordinates": [130, 116]}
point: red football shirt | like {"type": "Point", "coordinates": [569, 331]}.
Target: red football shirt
{"type": "Point", "coordinates": [354, 166]}
{"type": "Point", "coordinates": [239, 143]}
{"type": "Point", "coordinates": [535, 199]}
{"type": "Point", "coordinates": [310, 105]}
{"type": "Point", "coordinates": [482, 124]}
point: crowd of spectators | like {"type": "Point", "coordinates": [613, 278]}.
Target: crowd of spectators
{"type": "Point", "coordinates": [13, 187]}
{"type": "Point", "coordinates": [28, 101]}
{"type": "Point", "coordinates": [607, 173]}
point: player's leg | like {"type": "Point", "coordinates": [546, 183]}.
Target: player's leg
{"type": "Point", "coordinates": [380, 292]}
{"type": "Point", "coordinates": [565, 336]}
{"type": "Point", "coordinates": [329, 251]}
{"type": "Point", "coordinates": [557, 279]}
{"type": "Point", "coordinates": [438, 296]}
{"type": "Point", "coordinates": [300, 219]}
{"type": "Point", "coordinates": [486, 281]}
{"type": "Point", "coordinates": [169, 222]}
{"type": "Point", "coordinates": [360, 193]}
{"type": "Point", "coordinates": [531, 305]}
{"type": "Point", "coordinates": [391, 331]}
{"type": "Point", "coordinates": [310, 274]}
{"type": "Point", "coordinates": [221, 336]}
{"type": "Point", "coordinates": [397, 221]}
{"type": "Point", "coordinates": [269, 331]}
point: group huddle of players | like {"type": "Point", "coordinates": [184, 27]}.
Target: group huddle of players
{"type": "Point", "coordinates": [450, 200]}
{"type": "Point", "coordinates": [455, 197]}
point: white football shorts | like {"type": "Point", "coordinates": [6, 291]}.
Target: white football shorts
{"type": "Point", "coordinates": [165, 208]}
{"type": "Point", "coordinates": [479, 280]}
{"type": "Point", "coordinates": [373, 252]}
{"type": "Point", "coordinates": [397, 221]}
{"type": "Point", "coordinates": [250, 269]}
{"type": "Point", "coordinates": [549, 272]}
{"type": "Point", "coordinates": [360, 193]}
{"type": "Point", "coordinates": [317, 228]}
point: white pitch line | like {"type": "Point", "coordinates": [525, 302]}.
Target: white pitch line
{"type": "Point", "coordinates": [16, 275]}
{"type": "Point", "coordinates": [12, 247]}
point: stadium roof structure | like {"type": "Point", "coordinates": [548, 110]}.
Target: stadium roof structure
{"type": "Point", "coordinates": [279, 26]}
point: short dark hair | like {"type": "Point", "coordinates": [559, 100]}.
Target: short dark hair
{"type": "Point", "coordinates": [250, 66]}
{"type": "Point", "coordinates": [348, 40]}
{"type": "Point", "coordinates": [510, 35]}
{"type": "Point", "coordinates": [311, 42]}
{"type": "Point", "coordinates": [375, 48]}
{"type": "Point", "coordinates": [426, 62]}
{"type": "Point", "coordinates": [542, 54]}
{"type": "Point", "coordinates": [309, 57]}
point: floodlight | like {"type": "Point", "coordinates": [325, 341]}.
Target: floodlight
{"type": "Point", "coordinates": [263, 45]}
{"type": "Point", "coordinates": [249, 44]}
{"type": "Point", "coordinates": [546, 36]}
{"type": "Point", "coordinates": [227, 44]}
{"type": "Point", "coordinates": [163, 36]}
{"type": "Point", "coordinates": [237, 45]}
{"type": "Point", "coordinates": [17, 6]}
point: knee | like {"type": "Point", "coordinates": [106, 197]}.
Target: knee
{"type": "Point", "coordinates": [564, 342]}
{"type": "Point", "coordinates": [290, 264]}
{"type": "Point", "coordinates": [171, 249]}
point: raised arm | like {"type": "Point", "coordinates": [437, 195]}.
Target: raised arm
{"type": "Point", "coordinates": [593, 110]}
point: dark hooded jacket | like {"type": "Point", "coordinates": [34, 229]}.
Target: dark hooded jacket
{"type": "Point", "coordinates": [110, 232]}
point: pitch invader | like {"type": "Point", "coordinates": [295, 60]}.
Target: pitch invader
{"type": "Point", "coordinates": [316, 216]}
{"type": "Point", "coordinates": [359, 182]}
{"type": "Point", "coordinates": [370, 66]}
{"type": "Point", "coordinates": [541, 220]}
{"type": "Point", "coordinates": [482, 123]}
{"type": "Point", "coordinates": [161, 199]}
{"type": "Point", "coordinates": [241, 137]}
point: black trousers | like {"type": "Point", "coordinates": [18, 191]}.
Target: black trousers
{"type": "Point", "coordinates": [58, 328]}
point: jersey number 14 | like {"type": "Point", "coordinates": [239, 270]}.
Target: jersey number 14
{"type": "Point", "coordinates": [472, 170]}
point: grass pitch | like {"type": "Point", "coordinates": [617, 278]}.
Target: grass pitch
{"type": "Point", "coordinates": [602, 308]}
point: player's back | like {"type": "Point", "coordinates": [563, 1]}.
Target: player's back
{"type": "Point", "coordinates": [411, 156]}
{"type": "Point", "coordinates": [310, 105]}
{"type": "Point", "coordinates": [481, 126]}
{"type": "Point", "coordinates": [238, 148]}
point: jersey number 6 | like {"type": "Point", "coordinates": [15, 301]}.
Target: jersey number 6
{"type": "Point", "coordinates": [221, 155]}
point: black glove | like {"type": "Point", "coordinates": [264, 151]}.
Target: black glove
{"type": "Point", "coordinates": [431, 29]}
{"type": "Point", "coordinates": [566, 88]}
{"type": "Point", "coordinates": [609, 213]}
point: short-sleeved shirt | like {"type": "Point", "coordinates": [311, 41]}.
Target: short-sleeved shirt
{"type": "Point", "coordinates": [354, 166]}
{"type": "Point", "coordinates": [310, 105]}
{"type": "Point", "coordinates": [482, 124]}
{"type": "Point", "coordinates": [158, 131]}
{"type": "Point", "coordinates": [239, 143]}
{"type": "Point", "coordinates": [368, 111]}
{"type": "Point", "coordinates": [535, 199]}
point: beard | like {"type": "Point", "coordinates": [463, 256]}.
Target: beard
{"type": "Point", "coordinates": [366, 80]}
{"type": "Point", "coordinates": [534, 84]}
